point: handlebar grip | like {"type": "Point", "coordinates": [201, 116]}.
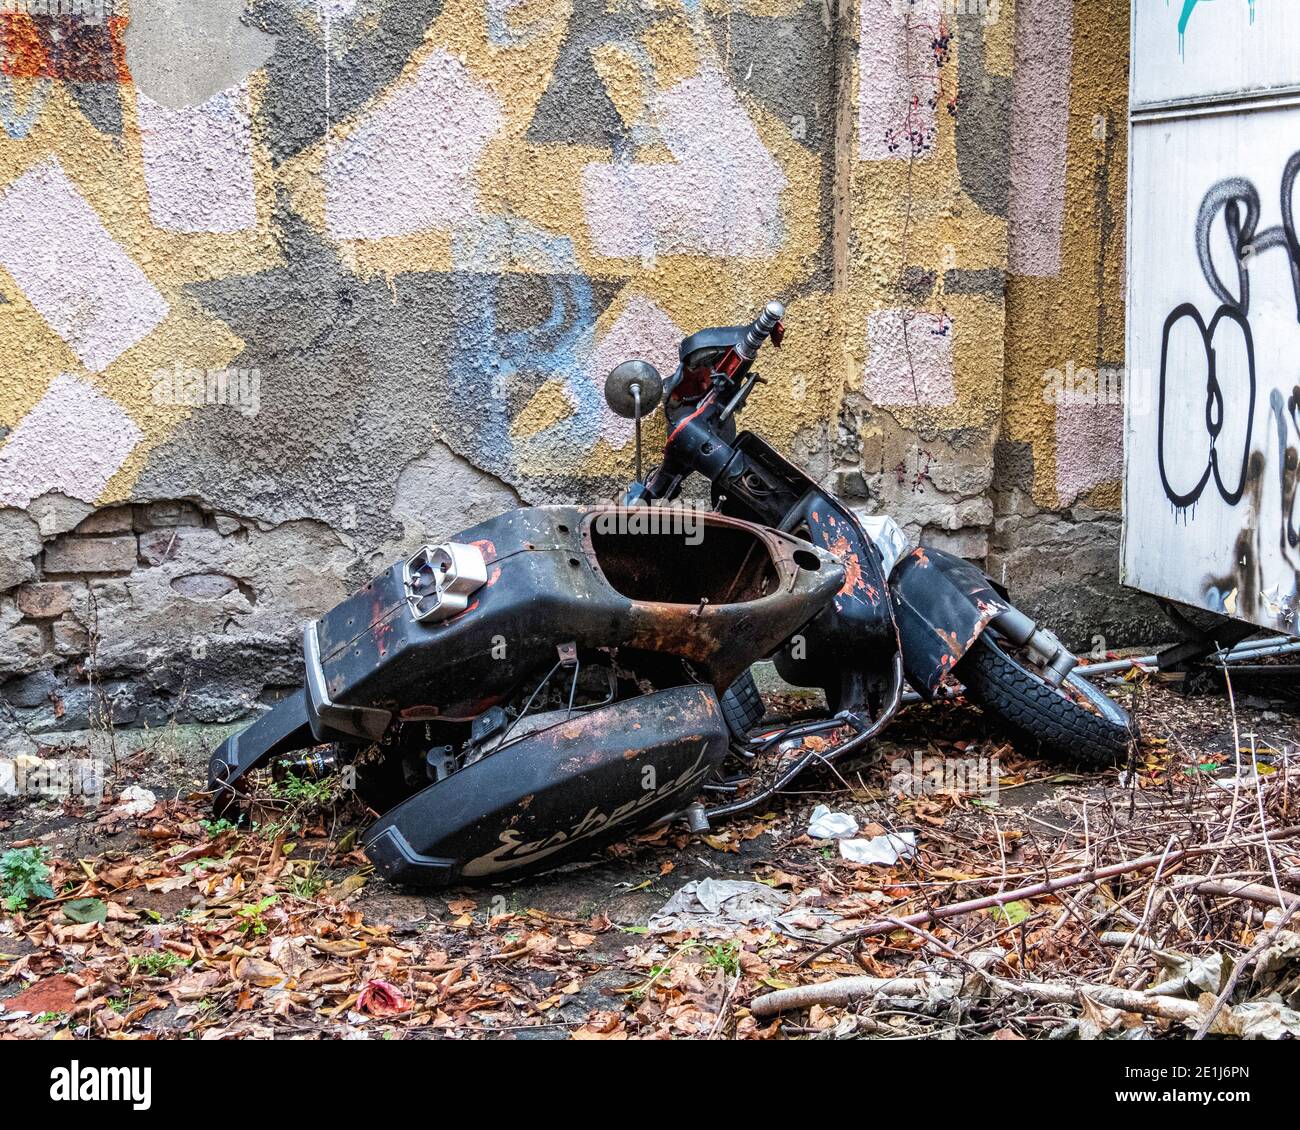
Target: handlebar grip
{"type": "Point", "coordinates": [760, 330]}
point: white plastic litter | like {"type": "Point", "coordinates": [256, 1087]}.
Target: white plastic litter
{"type": "Point", "coordinates": [885, 532]}
{"type": "Point", "coordinates": [719, 906]}
{"type": "Point", "coordinates": [886, 849]}
{"type": "Point", "coordinates": [1245, 781]}
{"type": "Point", "coordinates": [828, 825]}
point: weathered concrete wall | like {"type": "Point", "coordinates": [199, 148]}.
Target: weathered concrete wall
{"type": "Point", "coordinates": [289, 286]}
{"type": "Point", "coordinates": [1061, 446]}
{"type": "Point", "coordinates": [924, 262]}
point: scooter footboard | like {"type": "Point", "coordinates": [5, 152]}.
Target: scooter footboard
{"type": "Point", "coordinates": [285, 727]}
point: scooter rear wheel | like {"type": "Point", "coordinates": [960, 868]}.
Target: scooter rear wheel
{"type": "Point", "coordinates": [742, 706]}
{"type": "Point", "coordinates": [1077, 723]}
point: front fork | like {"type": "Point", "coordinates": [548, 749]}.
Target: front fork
{"type": "Point", "coordinates": [1055, 659]}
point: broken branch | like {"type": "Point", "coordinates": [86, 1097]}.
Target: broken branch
{"type": "Point", "coordinates": [848, 990]}
{"type": "Point", "coordinates": [1037, 890]}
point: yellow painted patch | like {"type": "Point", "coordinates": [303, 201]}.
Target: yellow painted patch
{"type": "Point", "coordinates": [548, 406]}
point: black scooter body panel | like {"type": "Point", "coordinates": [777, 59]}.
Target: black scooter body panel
{"type": "Point", "coordinates": [556, 795]}
{"type": "Point", "coordinates": [547, 583]}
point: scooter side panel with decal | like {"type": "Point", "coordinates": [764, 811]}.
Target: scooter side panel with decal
{"type": "Point", "coordinates": [557, 794]}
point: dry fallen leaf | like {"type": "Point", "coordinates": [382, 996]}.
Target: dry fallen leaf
{"type": "Point", "coordinates": [379, 998]}
{"type": "Point", "coordinates": [256, 971]}
{"type": "Point", "coordinates": [53, 994]}
{"type": "Point", "coordinates": [601, 1026]}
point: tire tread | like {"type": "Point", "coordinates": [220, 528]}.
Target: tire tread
{"type": "Point", "coordinates": [1062, 729]}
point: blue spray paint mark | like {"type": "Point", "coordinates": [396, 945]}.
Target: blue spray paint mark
{"type": "Point", "coordinates": [18, 125]}
{"type": "Point", "coordinates": [491, 359]}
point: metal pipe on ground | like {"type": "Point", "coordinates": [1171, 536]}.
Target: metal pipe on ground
{"type": "Point", "coordinates": [1256, 649]}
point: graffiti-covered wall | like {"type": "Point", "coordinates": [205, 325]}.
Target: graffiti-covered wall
{"type": "Point", "coordinates": [923, 261]}
{"type": "Point", "coordinates": [289, 286]}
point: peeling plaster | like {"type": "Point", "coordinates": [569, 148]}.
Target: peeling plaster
{"type": "Point", "coordinates": [182, 52]}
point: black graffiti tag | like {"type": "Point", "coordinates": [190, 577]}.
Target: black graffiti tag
{"type": "Point", "coordinates": [1231, 197]}
{"type": "Point", "coordinates": [1214, 405]}
{"type": "Point", "coordinates": [1238, 200]}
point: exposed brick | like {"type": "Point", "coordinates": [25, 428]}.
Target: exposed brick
{"type": "Point", "coordinates": [48, 599]}
{"type": "Point", "coordinates": [851, 484]}
{"type": "Point", "coordinates": [32, 691]}
{"type": "Point", "coordinates": [205, 586]}
{"type": "Point", "coordinates": [22, 646]}
{"type": "Point", "coordinates": [169, 514]}
{"type": "Point", "coordinates": [158, 546]}
{"type": "Point", "coordinates": [972, 543]}
{"type": "Point", "coordinates": [20, 542]}
{"type": "Point", "coordinates": [57, 513]}
{"type": "Point", "coordinates": [73, 554]}
{"type": "Point", "coordinates": [113, 520]}
{"type": "Point", "coordinates": [70, 638]}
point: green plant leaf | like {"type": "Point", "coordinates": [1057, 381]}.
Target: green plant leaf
{"type": "Point", "coordinates": [1012, 913]}
{"type": "Point", "coordinates": [86, 910]}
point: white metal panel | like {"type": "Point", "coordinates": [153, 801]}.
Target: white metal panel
{"type": "Point", "coordinates": [1214, 321]}
{"type": "Point", "coordinates": [1224, 47]}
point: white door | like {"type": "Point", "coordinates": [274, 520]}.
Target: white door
{"type": "Point", "coordinates": [1212, 390]}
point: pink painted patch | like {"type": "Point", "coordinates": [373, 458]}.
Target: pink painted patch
{"type": "Point", "coordinates": [1040, 117]}
{"type": "Point", "coordinates": [198, 163]}
{"type": "Point", "coordinates": [1089, 446]}
{"type": "Point", "coordinates": [73, 441]}
{"type": "Point", "coordinates": [642, 331]}
{"type": "Point", "coordinates": [71, 270]}
{"type": "Point", "coordinates": [909, 358]}
{"type": "Point", "coordinates": [898, 77]}
{"type": "Point", "coordinates": [409, 166]}
{"type": "Point", "coordinates": [720, 196]}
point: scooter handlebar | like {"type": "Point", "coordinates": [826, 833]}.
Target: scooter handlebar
{"type": "Point", "coordinates": [760, 330]}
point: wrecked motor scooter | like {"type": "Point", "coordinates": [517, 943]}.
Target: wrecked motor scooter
{"type": "Point", "coordinates": [920, 616]}
{"type": "Point", "coordinates": [560, 677]}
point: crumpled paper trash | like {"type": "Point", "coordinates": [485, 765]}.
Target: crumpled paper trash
{"type": "Point", "coordinates": [719, 906]}
{"type": "Point", "coordinates": [887, 849]}
{"type": "Point", "coordinates": [1190, 975]}
{"type": "Point", "coordinates": [133, 801]}
{"type": "Point", "coordinates": [828, 825]}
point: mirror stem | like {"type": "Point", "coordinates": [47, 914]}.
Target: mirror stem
{"type": "Point", "coordinates": [636, 404]}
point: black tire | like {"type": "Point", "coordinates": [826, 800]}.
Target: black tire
{"type": "Point", "coordinates": [1050, 719]}
{"type": "Point", "coordinates": [742, 706]}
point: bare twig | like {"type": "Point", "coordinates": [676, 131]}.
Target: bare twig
{"type": "Point", "coordinates": [1226, 992]}
{"type": "Point", "coordinates": [848, 990]}
{"type": "Point", "coordinates": [1037, 890]}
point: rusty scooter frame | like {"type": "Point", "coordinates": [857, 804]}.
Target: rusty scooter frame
{"type": "Point", "coordinates": [559, 677]}
{"type": "Point", "coordinates": [922, 617]}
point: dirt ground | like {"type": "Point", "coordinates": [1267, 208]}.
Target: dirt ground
{"type": "Point", "coordinates": [165, 924]}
